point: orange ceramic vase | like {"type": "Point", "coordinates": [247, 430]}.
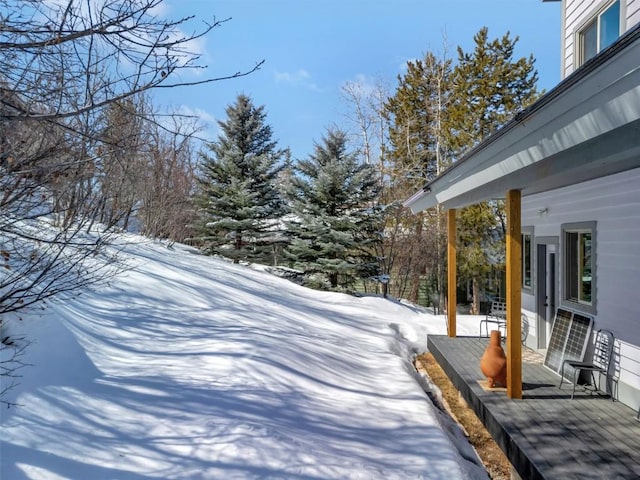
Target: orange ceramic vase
{"type": "Point", "coordinates": [494, 362]}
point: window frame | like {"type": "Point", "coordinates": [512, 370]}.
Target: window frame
{"type": "Point", "coordinates": [528, 231]}
{"type": "Point", "coordinates": [573, 273]}
{"type": "Point", "coordinates": [595, 20]}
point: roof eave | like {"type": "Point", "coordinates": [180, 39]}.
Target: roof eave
{"type": "Point", "coordinates": [421, 200]}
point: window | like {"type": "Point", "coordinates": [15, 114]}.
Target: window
{"type": "Point", "coordinates": [601, 32]}
{"type": "Point", "coordinates": [527, 258]}
{"type": "Point", "coordinates": [579, 262]}
{"type": "Point", "coordinates": [579, 266]}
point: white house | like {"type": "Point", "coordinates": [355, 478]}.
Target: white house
{"type": "Point", "coordinates": [569, 167]}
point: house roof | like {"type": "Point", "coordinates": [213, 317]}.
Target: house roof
{"type": "Point", "coordinates": [588, 126]}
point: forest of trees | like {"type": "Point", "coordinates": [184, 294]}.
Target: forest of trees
{"type": "Point", "coordinates": [336, 216]}
{"type": "Point", "coordinates": [84, 155]}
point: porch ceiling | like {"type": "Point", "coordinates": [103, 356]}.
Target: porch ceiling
{"type": "Point", "coordinates": [586, 127]}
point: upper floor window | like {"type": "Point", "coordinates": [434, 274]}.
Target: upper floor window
{"type": "Point", "coordinates": [601, 32]}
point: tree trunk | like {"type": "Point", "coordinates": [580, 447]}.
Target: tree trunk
{"type": "Point", "coordinates": [416, 265]}
{"type": "Point", "coordinates": [475, 302]}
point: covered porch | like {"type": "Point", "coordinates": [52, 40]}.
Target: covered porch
{"type": "Point", "coordinates": [586, 128]}
{"type": "Point", "coordinates": [546, 435]}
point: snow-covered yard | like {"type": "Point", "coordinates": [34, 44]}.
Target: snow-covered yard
{"type": "Point", "coordinates": [189, 367]}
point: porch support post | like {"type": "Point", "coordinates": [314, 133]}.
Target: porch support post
{"type": "Point", "coordinates": [451, 272]}
{"type": "Point", "coordinates": [514, 291]}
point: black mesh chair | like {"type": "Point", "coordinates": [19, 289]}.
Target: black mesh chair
{"type": "Point", "coordinates": [602, 355]}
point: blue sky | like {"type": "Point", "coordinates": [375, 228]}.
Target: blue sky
{"type": "Point", "coordinates": [311, 48]}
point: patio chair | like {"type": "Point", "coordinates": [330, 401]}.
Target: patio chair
{"type": "Point", "coordinates": [496, 315]}
{"type": "Point", "coordinates": [602, 355]}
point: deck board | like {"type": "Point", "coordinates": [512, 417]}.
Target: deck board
{"type": "Point", "coordinates": [546, 435]}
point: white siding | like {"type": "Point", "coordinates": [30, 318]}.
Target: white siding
{"type": "Point", "coordinates": [577, 12]}
{"type": "Point", "coordinates": [630, 374]}
{"type": "Point", "coordinates": [633, 13]}
{"type": "Point", "coordinates": [614, 203]}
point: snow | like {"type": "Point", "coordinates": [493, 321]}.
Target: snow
{"type": "Point", "coordinates": [189, 367]}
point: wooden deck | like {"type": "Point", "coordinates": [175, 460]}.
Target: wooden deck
{"type": "Point", "coordinates": [546, 435]}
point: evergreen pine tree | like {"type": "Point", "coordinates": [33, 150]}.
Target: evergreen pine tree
{"type": "Point", "coordinates": [335, 223]}
{"type": "Point", "coordinates": [488, 87]}
{"type": "Point", "coordinates": [416, 111]}
{"type": "Point", "coordinates": [239, 203]}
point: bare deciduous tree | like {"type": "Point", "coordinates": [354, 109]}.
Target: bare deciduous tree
{"type": "Point", "coordinates": [166, 209]}
{"type": "Point", "coordinates": [366, 103]}
{"type": "Point", "coordinates": [65, 66]}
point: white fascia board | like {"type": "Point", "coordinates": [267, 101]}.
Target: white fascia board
{"type": "Point", "coordinates": [420, 201]}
